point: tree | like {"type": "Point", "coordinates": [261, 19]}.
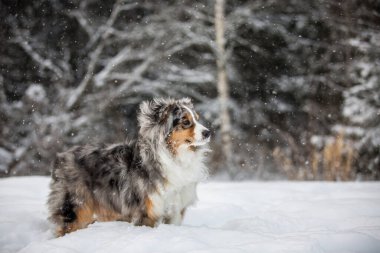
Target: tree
{"type": "Point", "coordinates": [73, 72]}
{"type": "Point", "coordinates": [223, 88]}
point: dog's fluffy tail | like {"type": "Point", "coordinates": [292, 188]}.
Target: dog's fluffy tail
{"type": "Point", "coordinates": [68, 209]}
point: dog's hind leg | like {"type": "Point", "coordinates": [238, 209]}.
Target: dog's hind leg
{"type": "Point", "coordinates": [70, 202]}
{"type": "Point", "coordinates": [84, 215]}
{"type": "Point", "coordinates": [70, 216]}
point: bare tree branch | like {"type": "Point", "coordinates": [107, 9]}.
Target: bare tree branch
{"type": "Point", "coordinates": [132, 78]}
{"type": "Point", "coordinates": [101, 77]}
{"type": "Point", "coordinates": [107, 29]}
{"type": "Point", "coordinates": [94, 57]}
{"type": "Point", "coordinates": [82, 20]}
{"type": "Point", "coordinates": [41, 61]}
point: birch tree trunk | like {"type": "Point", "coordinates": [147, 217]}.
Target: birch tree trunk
{"type": "Point", "coordinates": [223, 89]}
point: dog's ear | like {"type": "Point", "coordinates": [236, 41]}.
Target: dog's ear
{"type": "Point", "coordinates": [169, 113]}
{"type": "Point", "coordinates": [187, 102]}
{"type": "Point", "coordinates": [155, 111]}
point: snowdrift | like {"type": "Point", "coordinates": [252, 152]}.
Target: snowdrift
{"type": "Point", "coordinates": [229, 217]}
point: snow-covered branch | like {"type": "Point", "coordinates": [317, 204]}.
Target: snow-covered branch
{"type": "Point", "coordinates": [43, 63]}
{"type": "Point", "coordinates": [101, 77]}
{"type": "Point", "coordinates": [83, 21]}
{"type": "Point", "coordinates": [75, 96]}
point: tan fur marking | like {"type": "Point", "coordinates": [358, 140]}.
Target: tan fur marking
{"type": "Point", "coordinates": [188, 117]}
{"type": "Point", "coordinates": [181, 136]}
{"type": "Point", "coordinates": [106, 214]}
{"type": "Point", "coordinates": [148, 222]}
{"type": "Point", "coordinates": [85, 216]}
{"type": "Point", "coordinates": [149, 208]}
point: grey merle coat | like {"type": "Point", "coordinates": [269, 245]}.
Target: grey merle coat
{"type": "Point", "coordinates": [146, 181]}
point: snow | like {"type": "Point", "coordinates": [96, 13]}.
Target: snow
{"type": "Point", "coordinates": [36, 93]}
{"type": "Point", "coordinates": [229, 217]}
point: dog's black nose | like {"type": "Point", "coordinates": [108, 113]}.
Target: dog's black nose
{"type": "Point", "coordinates": [206, 133]}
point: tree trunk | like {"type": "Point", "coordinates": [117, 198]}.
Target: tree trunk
{"type": "Point", "coordinates": [223, 89]}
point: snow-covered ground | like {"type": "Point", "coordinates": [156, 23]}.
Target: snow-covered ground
{"type": "Point", "coordinates": [229, 217]}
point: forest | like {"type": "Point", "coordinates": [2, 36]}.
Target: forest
{"type": "Point", "coordinates": [303, 78]}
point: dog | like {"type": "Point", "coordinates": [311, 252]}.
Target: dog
{"type": "Point", "coordinates": [147, 181]}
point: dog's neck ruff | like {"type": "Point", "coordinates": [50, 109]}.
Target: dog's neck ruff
{"type": "Point", "coordinates": [186, 167]}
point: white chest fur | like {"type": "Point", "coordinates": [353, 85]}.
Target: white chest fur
{"type": "Point", "coordinates": [182, 174]}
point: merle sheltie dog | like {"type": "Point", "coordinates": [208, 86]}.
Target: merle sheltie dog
{"type": "Point", "coordinates": [147, 181]}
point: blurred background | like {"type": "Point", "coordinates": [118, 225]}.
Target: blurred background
{"type": "Point", "coordinates": [291, 89]}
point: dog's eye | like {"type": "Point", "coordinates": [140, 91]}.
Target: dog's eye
{"type": "Point", "coordinates": [186, 123]}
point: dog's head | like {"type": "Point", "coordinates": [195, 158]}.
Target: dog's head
{"type": "Point", "coordinates": [172, 122]}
